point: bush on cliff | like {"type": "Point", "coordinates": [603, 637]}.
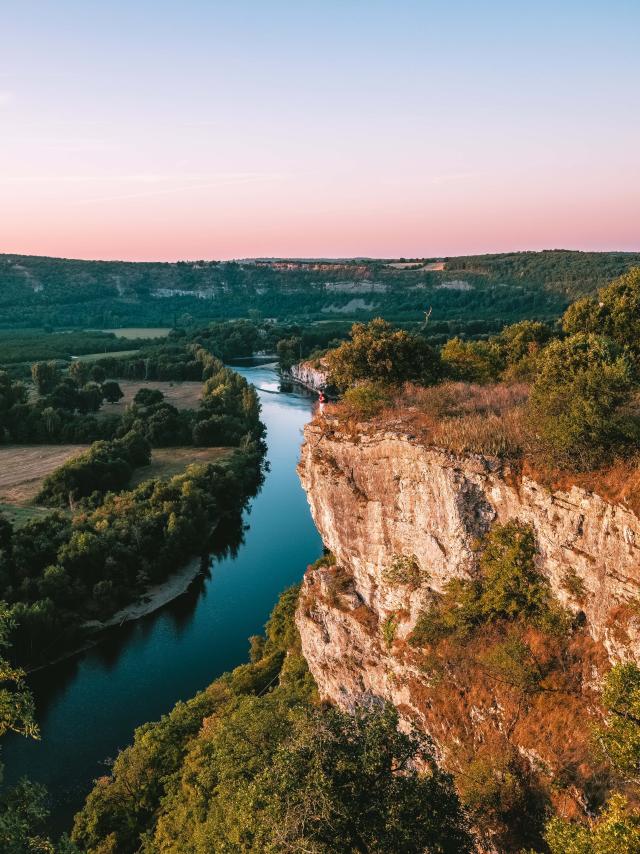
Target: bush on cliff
{"type": "Point", "coordinates": [379, 353]}
{"type": "Point", "coordinates": [579, 403]}
{"type": "Point", "coordinates": [507, 587]}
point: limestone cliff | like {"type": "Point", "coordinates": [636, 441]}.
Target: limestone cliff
{"type": "Point", "coordinates": [310, 375]}
{"type": "Point", "coordinates": [379, 497]}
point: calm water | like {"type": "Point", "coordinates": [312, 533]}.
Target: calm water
{"type": "Point", "coordinates": [89, 706]}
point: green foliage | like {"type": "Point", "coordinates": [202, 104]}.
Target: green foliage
{"type": "Point", "coordinates": [512, 662]}
{"type": "Point", "coordinates": [471, 361]}
{"type": "Point", "coordinates": [45, 376]}
{"type": "Point", "coordinates": [578, 400]}
{"type": "Point", "coordinates": [507, 587]}
{"type": "Point", "coordinates": [16, 703]}
{"type": "Point", "coordinates": [404, 569]}
{"type": "Point", "coordinates": [619, 737]}
{"type": "Point", "coordinates": [111, 391]}
{"type": "Point", "coordinates": [57, 572]}
{"type": "Point", "coordinates": [615, 831]}
{"type": "Point", "coordinates": [614, 313]}
{"type": "Point", "coordinates": [320, 781]}
{"type": "Point", "coordinates": [520, 346]}
{"type": "Point", "coordinates": [496, 792]}
{"type": "Point", "coordinates": [148, 397]}
{"type": "Point", "coordinates": [366, 400]}
{"type": "Point", "coordinates": [105, 467]}
{"type": "Point", "coordinates": [378, 353]}
{"type": "Point", "coordinates": [289, 351]}
{"type": "Point", "coordinates": [389, 628]}
{"type": "Point", "coordinates": [271, 771]}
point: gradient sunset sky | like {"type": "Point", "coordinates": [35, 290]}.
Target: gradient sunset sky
{"type": "Point", "coordinates": [143, 129]}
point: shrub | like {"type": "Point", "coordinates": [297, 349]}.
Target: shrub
{"type": "Point", "coordinates": [366, 400]}
{"type": "Point", "coordinates": [389, 628]}
{"type": "Point", "coordinates": [615, 831]}
{"type": "Point", "coordinates": [507, 587]}
{"type": "Point", "coordinates": [404, 569]}
{"type": "Point", "coordinates": [615, 312]}
{"type": "Point", "coordinates": [619, 737]}
{"type": "Point", "coordinates": [148, 397]}
{"type": "Point", "coordinates": [577, 404]}
{"type": "Point", "coordinates": [471, 361]}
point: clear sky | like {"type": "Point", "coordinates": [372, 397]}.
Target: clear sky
{"type": "Point", "coordinates": [148, 129]}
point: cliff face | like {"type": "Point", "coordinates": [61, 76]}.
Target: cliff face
{"type": "Point", "coordinates": [378, 498]}
{"type": "Point", "coordinates": [310, 376]}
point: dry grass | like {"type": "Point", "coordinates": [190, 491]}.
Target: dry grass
{"type": "Point", "coordinates": [182, 395]}
{"type": "Point", "coordinates": [166, 462]}
{"type": "Point", "coordinates": [461, 417]}
{"type": "Point", "coordinates": [618, 483]}
{"type": "Point", "coordinates": [23, 468]}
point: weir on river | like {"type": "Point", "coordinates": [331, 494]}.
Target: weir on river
{"type": "Point", "coordinates": [89, 705]}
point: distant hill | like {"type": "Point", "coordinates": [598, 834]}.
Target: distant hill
{"type": "Point", "coordinates": [486, 290]}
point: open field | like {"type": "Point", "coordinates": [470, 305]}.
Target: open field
{"type": "Point", "coordinates": [24, 467]}
{"type": "Point", "coordinates": [19, 515]}
{"type": "Point", "coordinates": [139, 331]}
{"type": "Point", "coordinates": [165, 462]}
{"type": "Point", "coordinates": [91, 357]}
{"type": "Point", "coordinates": [182, 395]}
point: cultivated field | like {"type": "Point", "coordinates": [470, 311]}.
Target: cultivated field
{"type": "Point", "coordinates": [184, 395]}
{"type": "Point", "coordinates": [24, 467]}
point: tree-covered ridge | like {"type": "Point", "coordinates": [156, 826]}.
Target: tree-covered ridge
{"type": "Point", "coordinates": [38, 291]}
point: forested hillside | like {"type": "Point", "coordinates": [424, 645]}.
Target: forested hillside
{"type": "Point", "coordinates": [485, 290]}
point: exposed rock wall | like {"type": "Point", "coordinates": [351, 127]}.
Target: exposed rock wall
{"type": "Point", "coordinates": [378, 497]}
{"type": "Point", "coordinates": [309, 375]}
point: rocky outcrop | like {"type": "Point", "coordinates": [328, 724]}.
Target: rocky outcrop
{"type": "Point", "coordinates": [310, 374]}
{"type": "Point", "coordinates": [382, 499]}
{"type": "Point", "coordinates": [377, 496]}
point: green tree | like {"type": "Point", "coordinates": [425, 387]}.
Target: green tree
{"type": "Point", "coordinates": [289, 351]}
{"type": "Point", "coordinates": [379, 353]}
{"type": "Point", "coordinates": [98, 374]}
{"type": "Point", "coordinates": [619, 737]}
{"type": "Point", "coordinates": [615, 312]}
{"type": "Point", "coordinates": [321, 780]}
{"type": "Point", "coordinates": [79, 372]}
{"type": "Point", "coordinates": [577, 403]}
{"type": "Point", "coordinates": [615, 831]}
{"type": "Point", "coordinates": [111, 391]}
{"type": "Point", "coordinates": [45, 376]}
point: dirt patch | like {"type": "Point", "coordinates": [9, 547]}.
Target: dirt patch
{"type": "Point", "coordinates": [182, 395]}
{"type": "Point", "coordinates": [23, 468]}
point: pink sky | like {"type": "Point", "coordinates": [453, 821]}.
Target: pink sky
{"type": "Point", "coordinates": [376, 129]}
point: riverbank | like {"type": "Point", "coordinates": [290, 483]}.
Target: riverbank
{"type": "Point", "coordinates": [154, 597]}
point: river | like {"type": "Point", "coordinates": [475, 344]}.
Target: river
{"type": "Point", "coordinates": [89, 705]}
